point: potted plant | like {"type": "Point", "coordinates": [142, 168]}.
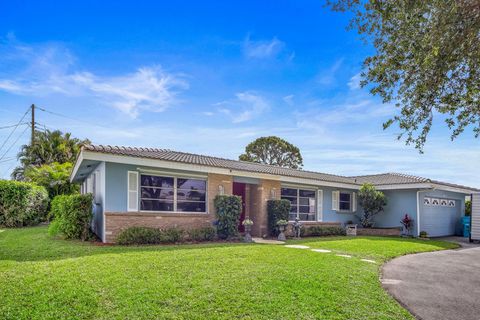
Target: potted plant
{"type": "Point", "coordinates": [282, 226]}
{"type": "Point", "coordinates": [407, 223]}
{"type": "Point", "coordinates": [248, 223]}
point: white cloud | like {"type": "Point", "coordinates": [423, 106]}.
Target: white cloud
{"type": "Point", "coordinates": [354, 82]}
{"type": "Point", "coordinates": [328, 76]}
{"type": "Point", "coordinates": [246, 106]}
{"type": "Point", "coordinates": [289, 99]}
{"type": "Point", "coordinates": [50, 69]}
{"type": "Point", "coordinates": [263, 48]}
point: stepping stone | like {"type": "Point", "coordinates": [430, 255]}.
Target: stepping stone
{"type": "Point", "coordinates": [297, 246]}
{"type": "Point", "coordinates": [390, 281]}
{"type": "Point", "coordinates": [321, 250]}
{"type": "Point", "coordinates": [343, 255]}
{"type": "Point", "coordinates": [369, 261]}
{"type": "Point", "coordinates": [267, 241]}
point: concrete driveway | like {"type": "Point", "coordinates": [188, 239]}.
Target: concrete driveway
{"type": "Point", "coordinates": [436, 285]}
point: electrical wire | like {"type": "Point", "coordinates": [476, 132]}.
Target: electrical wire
{"type": "Point", "coordinates": [14, 129]}
{"type": "Point", "coordinates": [11, 146]}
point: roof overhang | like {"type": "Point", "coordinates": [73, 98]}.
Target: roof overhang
{"type": "Point", "coordinates": [79, 171]}
{"type": "Point", "coordinates": [425, 185]}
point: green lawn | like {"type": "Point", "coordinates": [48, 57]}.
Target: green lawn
{"type": "Point", "coordinates": [46, 278]}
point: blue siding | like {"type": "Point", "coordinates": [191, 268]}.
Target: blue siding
{"type": "Point", "coordinates": [400, 202]}
{"type": "Point", "coordinates": [330, 215]}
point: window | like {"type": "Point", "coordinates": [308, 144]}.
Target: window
{"type": "Point", "coordinates": [302, 203]}
{"type": "Point", "coordinates": [345, 201]}
{"type": "Point", "coordinates": [172, 194]}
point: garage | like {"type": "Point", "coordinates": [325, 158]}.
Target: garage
{"type": "Point", "coordinates": [440, 216]}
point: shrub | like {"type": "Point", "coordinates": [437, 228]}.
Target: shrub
{"type": "Point", "coordinates": [423, 234]}
{"type": "Point", "coordinates": [372, 202]}
{"type": "Point", "coordinates": [276, 210]}
{"type": "Point", "coordinates": [323, 231]}
{"type": "Point", "coordinates": [228, 210]}
{"type": "Point", "coordinates": [139, 235]}
{"type": "Point", "coordinates": [73, 216]}
{"type": "Point", "coordinates": [202, 234]}
{"type": "Point", "coordinates": [22, 204]}
{"type": "Point", "coordinates": [171, 235]}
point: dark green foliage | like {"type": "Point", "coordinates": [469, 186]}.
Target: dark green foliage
{"type": "Point", "coordinates": [427, 61]}
{"type": "Point", "coordinates": [171, 235]}
{"type": "Point", "coordinates": [468, 208]}
{"type": "Point", "coordinates": [22, 204]}
{"type": "Point", "coordinates": [372, 202]}
{"type": "Point", "coordinates": [274, 151]}
{"type": "Point", "coordinates": [276, 210]}
{"type": "Point", "coordinates": [139, 235]}
{"type": "Point", "coordinates": [146, 235]}
{"type": "Point", "coordinates": [202, 234]}
{"type": "Point", "coordinates": [322, 231]}
{"type": "Point", "coordinates": [72, 216]}
{"type": "Point", "coordinates": [228, 209]}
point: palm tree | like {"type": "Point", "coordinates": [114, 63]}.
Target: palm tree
{"type": "Point", "coordinates": [48, 147]}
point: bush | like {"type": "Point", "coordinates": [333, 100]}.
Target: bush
{"type": "Point", "coordinates": [146, 235]}
{"type": "Point", "coordinates": [22, 204]}
{"type": "Point", "coordinates": [323, 231]}
{"type": "Point", "coordinates": [423, 234]}
{"type": "Point", "coordinates": [276, 210]}
{"type": "Point", "coordinates": [202, 234]}
{"type": "Point", "coordinates": [139, 235]}
{"type": "Point", "coordinates": [72, 216]}
{"type": "Point", "coordinates": [171, 235]}
{"type": "Point", "coordinates": [228, 210]}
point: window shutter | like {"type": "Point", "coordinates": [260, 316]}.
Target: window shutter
{"type": "Point", "coordinates": [132, 199]}
{"type": "Point", "coordinates": [335, 200]}
{"type": "Point", "coordinates": [320, 205]}
{"type": "Point", "coordinates": [354, 202]}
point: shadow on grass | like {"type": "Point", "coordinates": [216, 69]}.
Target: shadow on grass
{"type": "Point", "coordinates": [34, 244]}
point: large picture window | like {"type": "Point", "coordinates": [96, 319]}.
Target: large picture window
{"type": "Point", "coordinates": [302, 203]}
{"type": "Point", "coordinates": [159, 193]}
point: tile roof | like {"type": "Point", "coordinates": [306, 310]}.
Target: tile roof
{"type": "Point", "coordinates": [175, 156]}
{"type": "Point", "coordinates": [190, 158]}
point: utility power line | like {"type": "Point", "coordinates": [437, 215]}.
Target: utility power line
{"type": "Point", "coordinates": [14, 129]}
{"type": "Point", "coordinates": [13, 144]}
{"type": "Point", "coordinates": [13, 125]}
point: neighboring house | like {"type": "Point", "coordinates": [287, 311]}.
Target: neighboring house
{"type": "Point", "coordinates": [163, 188]}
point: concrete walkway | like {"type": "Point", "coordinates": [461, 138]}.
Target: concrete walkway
{"type": "Point", "coordinates": [436, 285]}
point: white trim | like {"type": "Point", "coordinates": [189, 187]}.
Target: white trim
{"type": "Point", "coordinates": [336, 200]}
{"type": "Point", "coordinates": [418, 208]}
{"type": "Point", "coordinates": [78, 163]}
{"type": "Point", "coordinates": [104, 197]}
{"type": "Point", "coordinates": [319, 205]}
{"type": "Point", "coordinates": [131, 208]}
{"type": "Point", "coordinates": [354, 202]}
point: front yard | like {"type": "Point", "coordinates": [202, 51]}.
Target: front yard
{"type": "Point", "coordinates": [45, 278]}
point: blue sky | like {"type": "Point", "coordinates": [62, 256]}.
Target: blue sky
{"type": "Point", "coordinates": [209, 77]}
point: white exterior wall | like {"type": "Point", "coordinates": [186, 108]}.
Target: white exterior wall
{"type": "Point", "coordinates": [475, 230]}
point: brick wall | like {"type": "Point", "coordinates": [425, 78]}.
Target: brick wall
{"type": "Point", "coordinates": [259, 194]}
{"type": "Point", "coordinates": [118, 221]}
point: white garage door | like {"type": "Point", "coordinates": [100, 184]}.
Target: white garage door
{"type": "Point", "coordinates": [440, 220]}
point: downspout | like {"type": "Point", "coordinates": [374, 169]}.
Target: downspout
{"type": "Point", "coordinates": [418, 208]}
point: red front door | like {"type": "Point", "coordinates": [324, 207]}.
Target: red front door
{"type": "Point", "coordinates": [239, 190]}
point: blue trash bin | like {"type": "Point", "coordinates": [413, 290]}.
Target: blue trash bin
{"type": "Point", "coordinates": [466, 226]}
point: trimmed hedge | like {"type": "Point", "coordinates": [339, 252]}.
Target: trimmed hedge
{"type": "Point", "coordinates": [202, 234]}
{"type": "Point", "coordinates": [72, 216]}
{"type": "Point", "coordinates": [322, 231]}
{"type": "Point", "coordinates": [22, 204]}
{"type": "Point", "coordinates": [228, 209]}
{"type": "Point", "coordinates": [146, 235]}
{"type": "Point", "coordinates": [276, 210]}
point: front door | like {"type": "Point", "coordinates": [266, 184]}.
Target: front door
{"type": "Point", "coordinates": [239, 190]}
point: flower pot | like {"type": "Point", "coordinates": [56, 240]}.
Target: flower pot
{"type": "Point", "coordinates": [281, 236]}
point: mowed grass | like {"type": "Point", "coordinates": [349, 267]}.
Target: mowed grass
{"type": "Point", "coordinates": [46, 278]}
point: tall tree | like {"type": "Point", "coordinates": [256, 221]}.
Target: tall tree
{"type": "Point", "coordinates": [55, 177]}
{"type": "Point", "coordinates": [48, 147]}
{"type": "Point", "coordinates": [427, 61]}
{"type": "Point", "coordinates": [273, 150]}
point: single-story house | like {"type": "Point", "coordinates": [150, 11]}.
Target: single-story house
{"type": "Point", "coordinates": [162, 188]}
